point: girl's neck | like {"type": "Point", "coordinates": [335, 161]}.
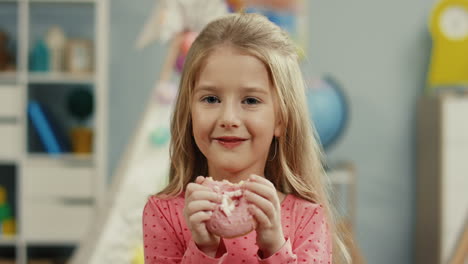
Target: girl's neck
{"type": "Point", "coordinates": [233, 176]}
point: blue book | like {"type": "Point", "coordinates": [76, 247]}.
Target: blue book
{"type": "Point", "coordinates": [43, 127]}
{"type": "Point", "coordinates": [34, 141]}
{"type": "Point", "coordinates": [58, 130]}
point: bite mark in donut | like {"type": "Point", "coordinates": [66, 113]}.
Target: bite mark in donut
{"type": "Point", "coordinates": [231, 218]}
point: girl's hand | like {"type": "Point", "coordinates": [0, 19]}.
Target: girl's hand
{"type": "Point", "coordinates": [200, 201]}
{"type": "Point", "coordinates": [266, 210]}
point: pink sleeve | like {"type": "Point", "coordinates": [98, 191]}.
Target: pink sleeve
{"type": "Point", "coordinates": [194, 255]}
{"type": "Point", "coordinates": [161, 242]}
{"type": "Point", "coordinates": [283, 255]}
{"type": "Point", "coordinates": [312, 243]}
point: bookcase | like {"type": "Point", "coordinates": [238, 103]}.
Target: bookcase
{"type": "Point", "coordinates": [442, 177]}
{"type": "Point", "coordinates": [52, 196]}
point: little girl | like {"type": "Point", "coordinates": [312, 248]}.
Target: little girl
{"type": "Point", "coordinates": [241, 115]}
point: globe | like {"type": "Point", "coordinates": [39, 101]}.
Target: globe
{"type": "Point", "coordinates": [327, 108]}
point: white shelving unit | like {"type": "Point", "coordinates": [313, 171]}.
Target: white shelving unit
{"type": "Point", "coordinates": [39, 78]}
{"type": "Point", "coordinates": [56, 197]}
{"type": "Point", "coordinates": [442, 170]}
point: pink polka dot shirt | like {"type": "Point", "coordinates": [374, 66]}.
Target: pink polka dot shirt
{"type": "Point", "coordinates": [168, 240]}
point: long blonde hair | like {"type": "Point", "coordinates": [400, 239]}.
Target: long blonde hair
{"type": "Point", "coordinates": [296, 166]}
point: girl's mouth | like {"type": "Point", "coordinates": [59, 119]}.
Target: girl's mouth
{"type": "Point", "coordinates": [230, 142]}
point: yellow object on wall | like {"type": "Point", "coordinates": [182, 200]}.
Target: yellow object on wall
{"type": "Point", "coordinates": [449, 30]}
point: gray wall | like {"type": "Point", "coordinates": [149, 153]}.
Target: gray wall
{"type": "Point", "coordinates": [132, 73]}
{"type": "Point", "coordinates": [378, 50]}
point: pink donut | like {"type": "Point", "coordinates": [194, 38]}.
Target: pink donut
{"type": "Point", "coordinates": [231, 218]}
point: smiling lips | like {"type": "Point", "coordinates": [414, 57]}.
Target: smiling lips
{"type": "Point", "coordinates": [230, 142]}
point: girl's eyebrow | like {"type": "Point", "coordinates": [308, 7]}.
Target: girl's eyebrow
{"type": "Point", "coordinates": [255, 90]}
{"type": "Point", "coordinates": [207, 88]}
{"type": "Point", "coordinates": [248, 89]}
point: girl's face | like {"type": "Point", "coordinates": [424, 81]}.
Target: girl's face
{"type": "Point", "coordinates": [234, 114]}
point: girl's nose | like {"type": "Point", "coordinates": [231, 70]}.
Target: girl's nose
{"type": "Point", "coordinates": [229, 116]}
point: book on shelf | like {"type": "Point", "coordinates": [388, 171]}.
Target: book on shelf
{"type": "Point", "coordinates": [51, 135]}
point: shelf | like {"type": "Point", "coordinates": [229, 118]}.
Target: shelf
{"type": "Point", "coordinates": [84, 159]}
{"type": "Point", "coordinates": [60, 78]}
{"type": "Point", "coordinates": [8, 77]}
{"type": "Point", "coordinates": [46, 78]}
{"type": "Point", "coordinates": [9, 119]}
{"type": "Point", "coordinates": [8, 74]}
{"type": "Point", "coordinates": [52, 1]}
{"type": "Point", "coordinates": [49, 253]}
{"type": "Point", "coordinates": [8, 160]}
{"type": "Point", "coordinates": [51, 242]}
{"type": "Point", "coordinates": [8, 240]}
{"type": "Point", "coordinates": [64, 1]}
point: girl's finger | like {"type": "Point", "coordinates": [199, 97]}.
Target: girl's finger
{"type": "Point", "coordinates": [200, 179]}
{"type": "Point", "coordinates": [260, 217]}
{"type": "Point", "coordinates": [199, 217]}
{"type": "Point", "coordinates": [196, 191]}
{"type": "Point", "coordinates": [262, 180]}
{"type": "Point", "coordinates": [204, 195]}
{"type": "Point", "coordinates": [199, 205]}
{"type": "Point", "coordinates": [261, 203]}
{"type": "Point", "coordinates": [191, 187]}
{"type": "Point", "coordinates": [263, 190]}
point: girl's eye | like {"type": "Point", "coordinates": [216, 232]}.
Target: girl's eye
{"type": "Point", "coordinates": [251, 101]}
{"type": "Point", "coordinates": [211, 99]}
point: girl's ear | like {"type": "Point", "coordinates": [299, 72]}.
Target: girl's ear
{"type": "Point", "coordinates": [278, 129]}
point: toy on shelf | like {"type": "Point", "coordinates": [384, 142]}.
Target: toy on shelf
{"type": "Point", "coordinates": [6, 58]}
{"type": "Point", "coordinates": [7, 223]}
{"type": "Point", "coordinates": [55, 53]}
{"type": "Point", "coordinates": [56, 42]}
{"type": "Point", "coordinates": [39, 58]}
{"type": "Point", "coordinates": [79, 56]}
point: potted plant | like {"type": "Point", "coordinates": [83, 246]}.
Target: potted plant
{"type": "Point", "coordinates": [80, 105]}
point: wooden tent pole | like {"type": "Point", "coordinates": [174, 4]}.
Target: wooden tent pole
{"type": "Point", "coordinates": [461, 251]}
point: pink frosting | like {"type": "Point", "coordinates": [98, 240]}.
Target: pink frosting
{"type": "Point", "coordinates": [230, 223]}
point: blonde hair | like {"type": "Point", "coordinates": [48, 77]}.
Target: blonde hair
{"type": "Point", "coordinates": [296, 166]}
